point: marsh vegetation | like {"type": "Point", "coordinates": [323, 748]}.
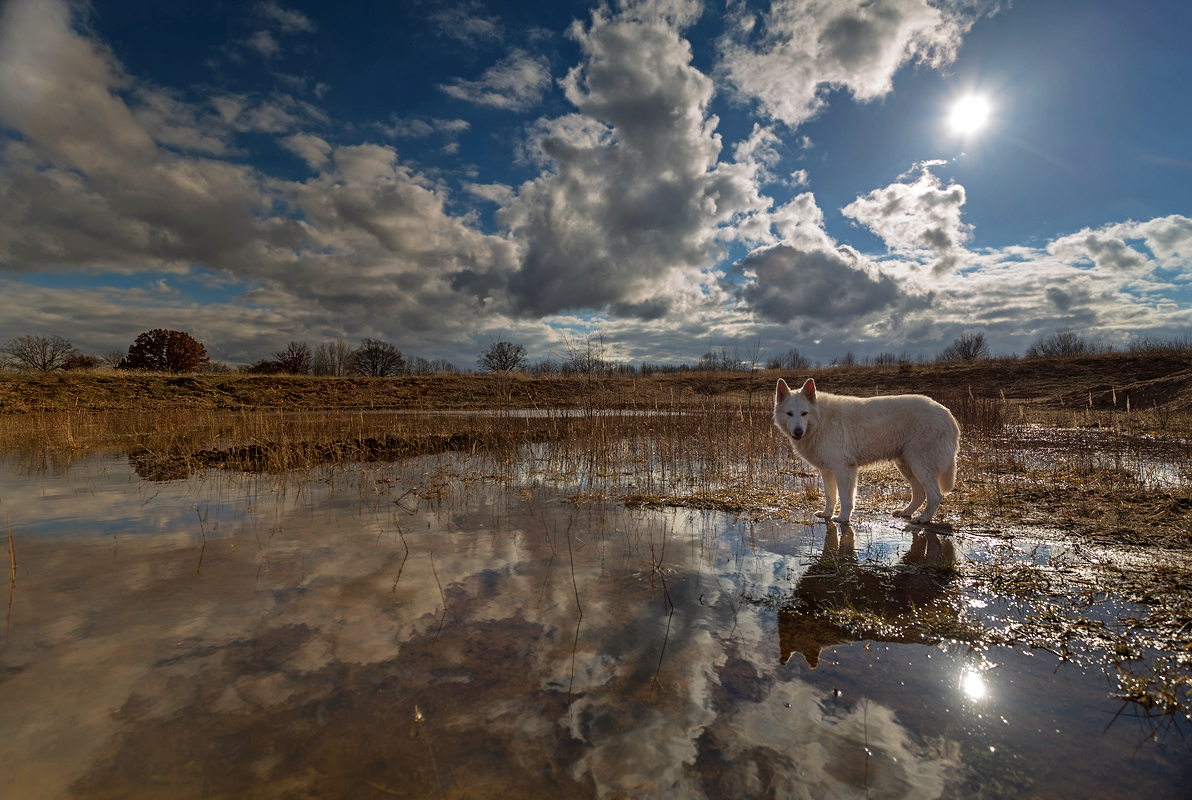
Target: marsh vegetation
{"type": "Point", "coordinates": [621, 595]}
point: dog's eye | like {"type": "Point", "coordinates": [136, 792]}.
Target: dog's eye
{"type": "Point", "coordinates": [803, 414]}
{"type": "Point", "coordinates": [790, 413]}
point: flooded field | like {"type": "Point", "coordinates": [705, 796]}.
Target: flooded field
{"type": "Point", "coordinates": [565, 617]}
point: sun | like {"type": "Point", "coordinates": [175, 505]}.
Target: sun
{"type": "Point", "coordinates": [969, 114]}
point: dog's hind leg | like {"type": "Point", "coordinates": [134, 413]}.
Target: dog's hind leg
{"type": "Point", "coordinates": [829, 494]}
{"type": "Point", "coordinates": [918, 492]}
{"type": "Point", "coordinates": [929, 477]}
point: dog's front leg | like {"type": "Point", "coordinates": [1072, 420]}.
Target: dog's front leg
{"type": "Point", "coordinates": [848, 492]}
{"type": "Point", "coordinates": [829, 494]}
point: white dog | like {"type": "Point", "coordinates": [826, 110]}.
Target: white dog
{"type": "Point", "coordinates": [837, 435]}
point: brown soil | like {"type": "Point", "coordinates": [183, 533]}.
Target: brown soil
{"type": "Point", "coordinates": [1107, 381]}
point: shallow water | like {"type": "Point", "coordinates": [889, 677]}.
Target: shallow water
{"type": "Point", "coordinates": [431, 628]}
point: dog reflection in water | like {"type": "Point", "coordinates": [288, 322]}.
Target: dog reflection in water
{"type": "Point", "coordinates": [881, 600]}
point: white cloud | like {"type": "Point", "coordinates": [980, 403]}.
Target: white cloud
{"type": "Point", "coordinates": [311, 149]}
{"type": "Point", "coordinates": [630, 215]}
{"type": "Point", "coordinates": [497, 193]}
{"type": "Point", "coordinates": [835, 287]}
{"type": "Point", "coordinates": [175, 123]}
{"type": "Point", "coordinates": [286, 19]}
{"type": "Point", "coordinates": [421, 128]}
{"type": "Point", "coordinates": [264, 44]}
{"type": "Point", "coordinates": [790, 57]}
{"type": "Point", "coordinates": [464, 22]}
{"type": "Point", "coordinates": [89, 187]}
{"type": "Point", "coordinates": [1169, 240]}
{"type": "Point", "coordinates": [515, 83]}
{"type": "Point", "coordinates": [1107, 252]}
{"type": "Point", "coordinates": [917, 219]}
{"type": "Point", "coordinates": [759, 151]}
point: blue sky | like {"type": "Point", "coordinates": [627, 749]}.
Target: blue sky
{"type": "Point", "coordinates": [673, 175]}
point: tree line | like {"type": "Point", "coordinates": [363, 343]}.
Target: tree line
{"type": "Point", "coordinates": [164, 350]}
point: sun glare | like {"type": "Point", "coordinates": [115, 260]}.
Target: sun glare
{"type": "Point", "coordinates": [969, 114]}
{"type": "Point", "coordinates": [972, 685]}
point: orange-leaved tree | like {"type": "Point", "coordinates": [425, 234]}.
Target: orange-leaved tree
{"type": "Point", "coordinates": [161, 350]}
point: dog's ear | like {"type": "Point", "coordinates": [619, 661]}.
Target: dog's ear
{"type": "Point", "coordinates": [808, 390]}
{"type": "Point", "coordinates": [782, 391]}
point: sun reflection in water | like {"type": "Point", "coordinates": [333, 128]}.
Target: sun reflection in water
{"type": "Point", "coordinates": [973, 685]}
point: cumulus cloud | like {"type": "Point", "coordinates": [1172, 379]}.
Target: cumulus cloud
{"type": "Point", "coordinates": [627, 221]}
{"type": "Point", "coordinates": [377, 239]}
{"type": "Point", "coordinates": [515, 83]}
{"type": "Point", "coordinates": [834, 286]}
{"type": "Point", "coordinates": [632, 199]}
{"type": "Point", "coordinates": [1169, 240]}
{"type": "Point", "coordinates": [1105, 251]}
{"type": "Point", "coordinates": [89, 186]}
{"type": "Point", "coordinates": [789, 58]}
{"type": "Point", "coordinates": [917, 219]}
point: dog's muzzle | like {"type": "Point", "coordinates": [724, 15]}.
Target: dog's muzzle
{"type": "Point", "coordinates": [797, 434]}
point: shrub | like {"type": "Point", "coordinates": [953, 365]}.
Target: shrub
{"type": "Point", "coordinates": [966, 347]}
{"type": "Point", "coordinates": [78, 361]}
{"type": "Point", "coordinates": [1064, 342]}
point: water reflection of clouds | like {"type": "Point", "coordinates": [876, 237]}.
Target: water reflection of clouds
{"type": "Point", "coordinates": [794, 736]}
{"type": "Point", "coordinates": [640, 684]}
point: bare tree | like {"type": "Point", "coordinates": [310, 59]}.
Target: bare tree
{"type": "Point", "coordinates": [501, 356]}
{"type": "Point", "coordinates": [442, 365]}
{"type": "Point", "coordinates": [378, 359]}
{"type": "Point", "coordinates": [586, 355]}
{"type": "Point", "coordinates": [791, 360]}
{"type": "Point", "coordinates": [333, 358]}
{"type": "Point", "coordinates": [295, 359]}
{"type": "Point", "coordinates": [162, 350]}
{"type": "Point", "coordinates": [111, 358]}
{"type": "Point", "coordinates": [40, 353]}
{"type": "Point", "coordinates": [720, 359]}
{"type": "Point", "coordinates": [966, 347]}
{"type": "Point", "coordinates": [755, 352]}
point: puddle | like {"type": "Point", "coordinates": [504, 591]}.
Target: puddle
{"type": "Point", "coordinates": [423, 629]}
{"type": "Point", "coordinates": [1153, 461]}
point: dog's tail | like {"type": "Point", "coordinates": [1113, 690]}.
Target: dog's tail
{"type": "Point", "coordinates": [948, 476]}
